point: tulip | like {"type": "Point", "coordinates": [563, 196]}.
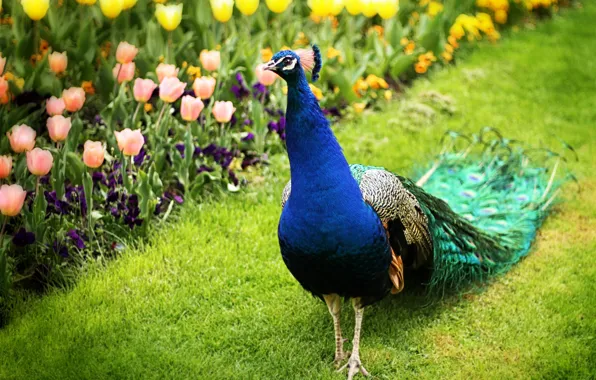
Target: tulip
{"type": "Point", "coordinates": [169, 16]}
{"type": "Point", "coordinates": [87, 2]}
{"type": "Point", "coordinates": [111, 8]}
{"type": "Point", "coordinates": [369, 7]}
{"type": "Point", "coordinates": [58, 126]}
{"type": "Point", "coordinates": [126, 52]}
{"type": "Point", "coordinates": [223, 111]}
{"type": "Point", "coordinates": [265, 77]}
{"type": "Point", "coordinates": [204, 87]}
{"type": "Point", "coordinates": [143, 89]}
{"type": "Point", "coordinates": [171, 89]}
{"type": "Point", "coordinates": [2, 64]}
{"type": "Point", "coordinates": [127, 4]}
{"type": "Point", "coordinates": [124, 72]}
{"type": "Point", "coordinates": [58, 62]}
{"type": "Point", "coordinates": [326, 7]}
{"type": "Point", "coordinates": [22, 138]}
{"type": "Point", "coordinates": [74, 98]}
{"type": "Point", "coordinates": [130, 142]}
{"type": "Point", "coordinates": [278, 6]}
{"type": "Point", "coordinates": [5, 166]}
{"type": "Point", "coordinates": [93, 154]}
{"type": "Point", "coordinates": [164, 70]}
{"type": "Point", "coordinates": [354, 7]}
{"type": "Point", "coordinates": [12, 198]}
{"type": "Point", "coordinates": [210, 59]}
{"type": "Point", "coordinates": [3, 87]}
{"type": "Point", "coordinates": [190, 108]}
{"type": "Point", "coordinates": [35, 9]}
{"type": "Point", "coordinates": [55, 106]}
{"type": "Point", "coordinates": [222, 9]}
{"type": "Point", "coordinates": [387, 8]}
{"type": "Point", "coordinates": [247, 7]}
{"type": "Point", "coordinates": [39, 161]}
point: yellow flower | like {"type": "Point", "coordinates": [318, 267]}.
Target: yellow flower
{"type": "Point", "coordinates": [359, 107]}
{"type": "Point", "coordinates": [148, 107]}
{"type": "Point", "coordinates": [501, 16]}
{"type": "Point", "coordinates": [375, 82]}
{"type": "Point", "coordinates": [301, 40]}
{"type": "Point", "coordinates": [284, 90]}
{"type": "Point", "coordinates": [447, 56]}
{"type": "Point", "coordinates": [160, 1]}
{"type": "Point", "coordinates": [369, 7]}
{"type": "Point", "coordinates": [169, 16]}
{"type": "Point", "coordinates": [266, 54]}
{"type": "Point", "coordinates": [333, 53]}
{"type": "Point", "coordinates": [222, 9]}
{"type": "Point", "coordinates": [285, 47]}
{"type": "Point", "coordinates": [457, 31]}
{"type": "Point", "coordinates": [404, 41]}
{"type": "Point", "coordinates": [354, 7]}
{"type": "Point", "coordinates": [326, 7]}
{"type": "Point", "coordinates": [409, 49]}
{"type": "Point", "coordinates": [434, 8]}
{"type": "Point", "coordinates": [87, 2]}
{"type": "Point", "coordinates": [360, 87]}
{"type": "Point", "coordinates": [247, 7]}
{"type": "Point", "coordinates": [87, 86]}
{"type": "Point", "coordinates": [387, 8]}
{"type": "Point", "coordinates": [35, 9]}
{"type": "Point", "coordinates": [316, 91]}
{"type": "Point", "coordinates": [453, 41]}
{"type": "Point", "coordinates": [111, 8]}
{"type": "Point", "coordinates": [278, 6]}
{"type": "Point", "coordinates": [388, 95]}
{"type": "Point", "coordinates": [420, 67]}
{"type": "Point", "coordinates": [483, 3]}
{"type": "Point", "coordinates": [193, 72]}
{"type": "Point", "coordinates": [449, 48]}
{"type": "Point", "coordinates": [127, 4]}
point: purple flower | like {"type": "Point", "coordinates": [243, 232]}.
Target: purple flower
{"type": "Point", "coordinates": [100, 177]}
{"type": "Point", "coordinates": [60, 249]}
{"type": "Point", "coordinates": [240, 92]}
{"type": "Point", "coordinates": [205, 168]}
{"type": "Point", "coordinates": [259, 90]}
{"type": "Point", "coordinates": [23, 238]}
{"type": "Point", "coordinates": [76, 239]}
{"type": "Point", "coordinates": [249, 137]}
{"type": "Point", "coordinates": [247, 122]}
{"type": "Point", "coordinates": [233, 177]}
{"type": "Point", "coordinates": [140, 158]}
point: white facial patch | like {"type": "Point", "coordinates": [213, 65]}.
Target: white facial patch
{"type": "Point", "coordinates": [291, 65]}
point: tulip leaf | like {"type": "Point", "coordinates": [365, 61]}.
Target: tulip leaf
{"type": "Point", "coordinates": [75, 168]}
{"type": "Point", "coordinates": [401, 64]}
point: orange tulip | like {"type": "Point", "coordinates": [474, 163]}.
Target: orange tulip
{"type": "Point", "coordinates": [223, 111]}
{"type": "Point", "coordinates": [58, 62]}
{"type": "Point", "coordinates": [22, 138]}
{"type": "Point", "coordinates": [58, 126]}
{"type": "Point", "coordinates": [126, 52]}
{"type": "Point", "coordinates": [204, 87]}
{"type": "Point", "coordinates": [210, 59]}
{"type": "Point", "coordinates": [55, 106]}
{"type": "Point", "coordinates": [171, 89]}
{"type": "Point", "coordinates": [143, 89]}
{"type": "Point", "coordinates": [74, 98]}
{"type": "Point", "coordinates": [164, 71]}
{"type": "Point", "coordinates": [190, 108]}
{"type": "Point", "coordinates": [130, 142]}
{"type": "Point", "coordinates": [265, 77]}
{"type": "Point", "coordinates": [12, 198]}
{"type": "Point", "coordinates": [5, 166]}
{"type": "Point", "coordinates": [93, 154]}
{"type": "Point", "coordinates": [39, 161]}
{"type": "Point", "coordinates": [124, 72]}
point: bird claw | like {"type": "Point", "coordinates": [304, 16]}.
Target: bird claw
{"type": "Point", "coordinates": [354, 365]}
{"type": "Point", "coordinates": [339, 358]}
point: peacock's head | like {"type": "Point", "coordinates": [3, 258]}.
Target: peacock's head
{"type": "Point", "coordinates": [288, 64]}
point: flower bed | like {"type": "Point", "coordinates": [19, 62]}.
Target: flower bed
{"type": "Point", "coordinates": [118, 111]}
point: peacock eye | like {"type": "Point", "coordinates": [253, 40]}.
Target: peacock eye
{"type": "Point", "coordinates": [287, 60]}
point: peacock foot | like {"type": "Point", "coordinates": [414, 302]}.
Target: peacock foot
{"type": "Point", "coordinates": [340, 357]}
{"type": "Point", "coordinates": [354, 365]}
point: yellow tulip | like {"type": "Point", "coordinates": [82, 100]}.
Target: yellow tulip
{"type": "Point", "coordinates": [87, 2]}
{"type": "Point", "coordinates": [169, 16]}
{"type": "Point", "coordinates": [387, 8]}
{"type": "Point", "coordinates": [278, 6]}
{"type": "Point", "coordinates": [35, 9]}
{"type": "Point", "coordinates": [222, 9]}
{"type": "Point", "coordinates": [111, 8]}
{"type": "Point", "coordinates": [369, 8]}
{"type": "Point", "coordinates": [354, 7]}
{"type": "Point", "coordinates": [127, 4]}
{"type": "Point", "coordinates": [324, 8]}
{"type": "Point", "coordinates": [247, 7]}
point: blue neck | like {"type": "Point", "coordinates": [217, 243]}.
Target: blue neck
{"type": "Point", "coordinates": [320, 173]}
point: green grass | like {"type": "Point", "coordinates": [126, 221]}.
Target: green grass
{"type": "Point", "coordinates": [210, 297]}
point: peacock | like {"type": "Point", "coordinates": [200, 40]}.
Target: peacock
{"type": "Point", "coordinates": [353, 231]}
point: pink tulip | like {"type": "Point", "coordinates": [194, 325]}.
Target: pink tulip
{"type": "Point", "coordinates": [126, 52]}
{"type": "Point", "coordinates": [93, 154]}
{"type": "Point", "coordinates": [143, 89]}
{"type": "Point", "coordinates": [124, 72]}
{"type": "Point", "coordinates": [170, 89]}
{"type": "Point", "coordinates": [12, 198]}
{"type": "Point", "coordinates": [190, 108]}
{"type": "Point", "coordinates": [5, 166]}
{"type": "Point", "coordinates": [2, 64]}
{"type": "Point", "coordinates": [39, 161]}
{"type": "Point", "coordinates": [223, 111]}
{"type": "Point", "coordinates": [22, 138]}
{"type": "Point", "coordinates": [55, 106]}
{"type": "Point", "coordinates": [204, 87]}
{"type": "Point", "coordinates": [58, 62]}
{"type": "Point", "coordinates": [3, 87]}
{"type": "Point", "coordinates": [210, 59]}
{"type": "Point", "coordinates": [74, 98]}
{"type": "Point", "coordinates": [58, 126]}
{"type": "Point", "coordinates": [130, 142]}
{"type": "Point", "coordinates": [165, 71]}
{"type": "Point", "coordinates": [265, 77]}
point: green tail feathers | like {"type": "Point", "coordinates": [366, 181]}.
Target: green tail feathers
{"type": "Point", "coordinates": [498, 194]}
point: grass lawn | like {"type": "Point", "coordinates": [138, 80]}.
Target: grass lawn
{"type": "Point", "coordinates": [210, 297]}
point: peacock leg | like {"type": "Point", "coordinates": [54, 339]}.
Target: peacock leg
{"type": "Point", "coordinates": [334, 305]}
{"type": "Point", "coordinates": [354, 364]}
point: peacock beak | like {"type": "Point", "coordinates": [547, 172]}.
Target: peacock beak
{"type": "Point", "coordinates": [271, 66]}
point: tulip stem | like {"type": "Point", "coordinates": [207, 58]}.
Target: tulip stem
{"type": "Point", "coordinates": [169, 48]}
{"type": "Point", "coordinates": [2, 231]}
{"type": "Point", "coordinates": [134, 116]}
{"type": "Point", "coordinates": [117, 82]}
{"type": "Point", "coordinates": [37, 186]}
{"type": "Point", "coordinates": [163, 109]}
